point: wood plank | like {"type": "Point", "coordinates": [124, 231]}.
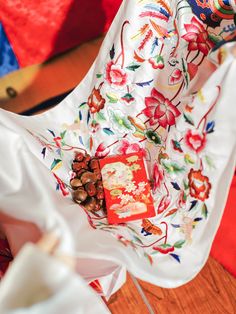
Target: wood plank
{"type": "Point", "coordinates": [37, 83]}
{"type": "Point", "coordinates": [127, 300]}
{"type": "Point", "coordinates": [212, 291]}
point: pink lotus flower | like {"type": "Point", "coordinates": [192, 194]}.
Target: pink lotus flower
{"type": "Point", "coordinates": [158, 176]}
{"type": "Point", "coordinates": [197, 37]}
{"type": "Point", "coordinates": [160, 110]}
{"type": "Point", "coordinates": [175, 77]}
{"type": "Point", "coordinates": [195, 140]}
{"type": "Point", "coordinates": [102, 151]}
{"type": "Point", "coordinates": [115, 75]}
{"type": "Point", "coordinates": [164, 204]}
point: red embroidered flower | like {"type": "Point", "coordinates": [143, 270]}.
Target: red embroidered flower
{"type": "Point", "coordinates": [95, 101]}
{"type": "Point", "coordinates": [115, 75]}
{"type": "Point", "coordinates": [195, 140]}
{"type": "Point", "coordinates": [160, 110]}
{"type": "Point", "coordinates": [199, 185]}
{"type": "Point", "coordinates": [158, 176]}
{"type": "Point", "coordinates": [197, 37]}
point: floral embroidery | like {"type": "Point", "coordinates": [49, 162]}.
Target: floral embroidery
{"type": "Point", "coordinates": [197, 37]}
{"type": "Point", "coordinates": [199, 185]}
{"type": "Point", "coordinates": [95, 101]}
{"type": "Point", "coordinates": [195, 140]}
{"type": "Point", "coordinates": [153, 137]}
{"type": "Point", "coordinates": [115, 75]}
{"type": "Point", "coordinates": [132, 112]}
{"type": "Point", "coordinates": [160, 110]}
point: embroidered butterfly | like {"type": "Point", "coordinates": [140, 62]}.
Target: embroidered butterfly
{"type": "Point", "coordinates": [149, 228]}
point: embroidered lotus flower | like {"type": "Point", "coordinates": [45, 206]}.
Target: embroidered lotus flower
{"type": "Point", "coordinates": [158, 176]}
{"type": "Point", "coordinates": [197, 37]}
{"type": "Point", "coordinates": [95, 101]}
{"type": "Point", "coordinates": [195, 140]}
{"type": "Point", "coordinates": [160, 110]}
{"type": "Point", "coordinates": [115, 75]}
{"type": "Point", "coordinates": [199, 185]}
{"type": "Point", "coordinates": [157, 62]}
{"type": "Point", "coordinates": [153, 137]}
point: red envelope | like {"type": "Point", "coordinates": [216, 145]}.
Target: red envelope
{"type": "Point", "coordinates": [127, 189]}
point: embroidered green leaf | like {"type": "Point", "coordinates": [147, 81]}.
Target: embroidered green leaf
{"type": "Point", "coordinates": [112, 98]}
{"type": "Point", "coordinates": [56, 164]}
{"type": "Point", "coordinates": [153, 137]}
{"type": "Point", "coordinates": [186, 185]}
{"type": "Point", "coordinates": [62, 134]}
{"type": "Point", "coordinates": [185, 197]}
{"type": "Point", "coordinates": [82, 105]}
{"type": "Point", "coordinates": [165, 245]}
{"type": "Point", "coordinates": [100, 116]}
{"type": "Point", "coordinates": [188, 119]}
{"type": "Point", "coordinates": [137, 239]}
{"type": "Point", "coordinates": [120, 121]}
{"type": "Point", "coordinates": [188, 159]}
{"type": "Point", "coordinates": [215, 38]}
{"type": "Point", "coordinates": [172, 167]}
{"type": "Point", "coordinates": [108, 131]}
{"type": "Point", "coordinates": [98, 75]}
{"type": "Point", "coordinates": [204, 210]}
{"type": "Point", "coordinates": [210, 162]}
{"type": "Point", "coordinates": [133, 67]}
{"type": "Point", "coordinates": [149, 258]}
{"type": "Point", "coordinates": [179, 244]}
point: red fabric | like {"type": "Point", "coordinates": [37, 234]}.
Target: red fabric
{"type": "Point", "coordinates": [38, 30]}
{"type": "Point", "coordinates": [224, 245]}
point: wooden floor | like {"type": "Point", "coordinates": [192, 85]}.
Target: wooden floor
{"type": "Point", "coordinates": [213, 291]}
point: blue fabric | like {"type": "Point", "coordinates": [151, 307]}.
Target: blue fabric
{"type": "Point", "coordinates": [8, 61]}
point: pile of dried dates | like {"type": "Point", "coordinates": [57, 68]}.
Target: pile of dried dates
{"type": "Point", "coordinates": [87, 184]}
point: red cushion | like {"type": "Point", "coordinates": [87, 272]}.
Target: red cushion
{"type": "Point", "coordinates": [37, 30]}
{"type": "Point", "coordinates": [224, 246]}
